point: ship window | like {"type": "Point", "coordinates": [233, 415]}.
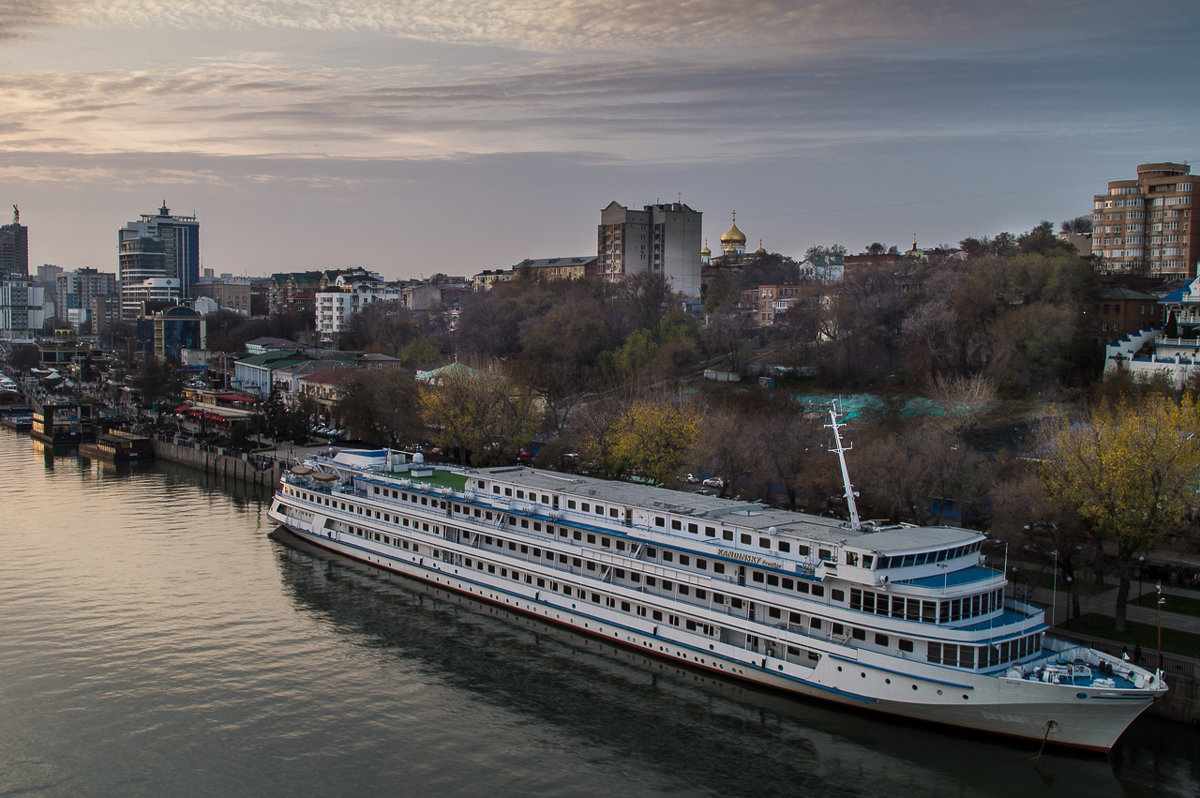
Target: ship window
{"type": "Point", "coordinates": [802, 587]}
{"type": "Point", "coordinates": [606, 543]}
{"type": "Point", "coordinates": [933, 652]}
{"type": "Point", "coordinates": [591, 566]}
{"type": "Point", "coordinates": [966, 656]}
{"type": "Point", "coordinates": [785, 546]}
{"type": "Point", "coordinates": [684, 559]}
{"type": "Point", "coordinates": [837, 629]}
{"type": "Point", "coordinates": [818, 590]}
{"type": "Point", "coordinates": [668, 556]}
{"type": "Point", "coordinates": [651, 581]}
{"type": "Point", "coordinates": [868, 601]}
{"type": "Point", "coordinates": [726, 534]}
{"type": "Point", "coordinates": [659, 520]}
{"type": "Point", "coordinates": [943, 611]}
{"type": "Point", "coordinates": [764, 543]}
{"type": "Point", "coordinates": [788, 584]}
{"type": "Point", "coordinates": [949, 654]}
{"type": "Point", "coordinates": [756, 576]}
{"type": "Point", "coordinates": [905, 645]}
{"type": "Point", "coordinates": [656, 615]}
{"type": "Point", "coordinates": [684, 590]}
{"type": "Point", "coordinates": [858, 634]}
{"type": "Point", "coordinates": [624, 606]}
{"type": "Point", "coordinates": [576, 562]}
{"type": "Point", "coordinates": [667, 584]}
{"type": "Point", "coordinates": [837, 595]}
{"type": "Point", "coordinates": [595, 598]}
{"type": "Point", "coordinates": [928, 612]}
{"type": "Point", "coordinates": [735, 602]}
{"type": "Point", "coordinates": [852, 558]}
{"type": "Point", "coordinates": [525, 523]}
{"type": "Point", "coordinates": [496, 489]}
{"type": "Point", "coordinates": [701, 594]}
{"type": "Point", "coordinates": [881, 640]}
{"type": "Point", "coordinates": [675, 524]}
{"type": "Point", "coordinates": [718, 568]}
{"type": "Point", "coordinates": [577, 535]}
{"type": "Point", "coordinates": [587, 508]}
{"type": "Point", "coordinates": [710, 532]}
{"type": "Point", "coordinates": [591, 538]}
{"type": "Point", "coordinates": [913, 610]}
{"type": "Point", "coordinates": [718, 598]}
{"type": "Point", "coordinates": [508, 491]}
{"type": "Point", "coordinates": [701, 564]}
{"type": "Point", "coordinates": [774, 612]}
{"type": "Point", "coordinates": [693, 528]}
{"type": "Point", "coordinates": [612, 512]}
{"type": "Point", "coordinates": [897, 607]}
{"type": "Point", "coordinates": [570, 504]}
{"type": "Point", "coordinates": [772, 580]}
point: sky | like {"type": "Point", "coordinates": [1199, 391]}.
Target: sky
{"type": "Point", "coordinates": [430, 136]}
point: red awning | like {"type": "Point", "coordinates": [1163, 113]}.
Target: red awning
{"type": "Point", "coordinates": [181, 408]}
{"type": "Point", "coordinates": [233, 397]}
{"type": "Point", "coordinates": [214, 417]}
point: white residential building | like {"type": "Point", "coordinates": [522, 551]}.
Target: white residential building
{"type": "Point", "coordinates": [335, 307]}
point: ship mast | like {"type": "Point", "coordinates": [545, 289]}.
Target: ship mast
{"type": "Point", "coordinates": [840, 450]}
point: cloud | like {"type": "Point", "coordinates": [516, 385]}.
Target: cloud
{"type": "Point", "coordinates": [582, 25]}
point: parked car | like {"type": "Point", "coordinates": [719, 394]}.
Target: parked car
{"type": "Point", "coordinates": [714, 482]}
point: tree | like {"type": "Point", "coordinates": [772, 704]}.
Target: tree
{"type": "Point", "coordinates": [380, 405]}
{"type": "Point", "coordinates": [1131, 472]}
{"type": "Point", "coordinates": [654, 437]}
{"type": "Point", "coordinates": [482, 413]}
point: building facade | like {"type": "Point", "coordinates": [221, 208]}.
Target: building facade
{"type": "Point", "coordinates": [335, 307]}
{"type": "Point", "coordinates": [21, 309]}
{"type": "Point", "coordinates": [662, 238]}
{"type": "Point", "coordinates": [14, 249]}
{"type": "Point", "coordinates": [158, 246]}
{"type": "Point", "coordinates": [1143, 226]}
{"type": "Point", "coordinates": [75, 290]}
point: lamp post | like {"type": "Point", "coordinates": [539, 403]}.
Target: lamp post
{"type": "Point", "coordinates": [1054, 592]}
{"type": "Point", "coordinates": [1158, 612]}
{"type": "Point", "coordinates": [1141, 572]}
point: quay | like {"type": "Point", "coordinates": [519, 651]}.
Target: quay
{"type": "Point", "coordinates": [263, 470]}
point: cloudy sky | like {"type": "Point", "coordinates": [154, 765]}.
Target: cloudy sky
{"type": "Point", "coordinates": [413, 137]}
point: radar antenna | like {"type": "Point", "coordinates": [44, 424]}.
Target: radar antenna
{"type": "Point", "coordinates": [840, 451]}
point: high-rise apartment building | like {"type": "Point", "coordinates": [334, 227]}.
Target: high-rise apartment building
{"type": "Point", "coordinates": [156, 247]}
{"type": "Point", "coordinates": [662, 238]}
{"type": "Point", "coordinates": [14, 249]}
{"type": "Point", "coordinates": [75, 290]}
{"type": "Point", "coordinates": [1144, 227]}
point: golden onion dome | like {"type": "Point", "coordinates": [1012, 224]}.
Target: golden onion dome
{"type": "Point", "coordinates": [733, 236]}
{"type": "Point", "coordinates": [706, 251]}
{"type": "Point", "coordinates": [760, 250]}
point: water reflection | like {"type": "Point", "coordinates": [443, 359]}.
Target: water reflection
{"type": "Point", "coordinates": [714, 734]}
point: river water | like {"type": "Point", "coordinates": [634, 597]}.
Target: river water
{"type": "Point", "coordinates": [156, 638]}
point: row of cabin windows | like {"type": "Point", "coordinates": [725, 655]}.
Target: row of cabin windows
{"type": "Point", "coordinates": [676, 524]}
{"type": "Point", "coordinates": [925, 557]}
{"type": "Point", "coordinates": [926, 611]}
{"type": "Point", "coordinates": [592, 596]}
{"type": "Point", "coordinates": [989, 656]}
{"type": "Point", "coordinates": [684, 560]}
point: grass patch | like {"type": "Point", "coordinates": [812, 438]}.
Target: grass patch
{"type": "Point", "coordinates": [446, 479]}
{"type": "Point", "coordinates": [1184, 605]}
{"type": "Point", "coordinates": [1136, 634]}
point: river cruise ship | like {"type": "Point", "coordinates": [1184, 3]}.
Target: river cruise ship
{"type": "Point", "coordinates": [897, 619]}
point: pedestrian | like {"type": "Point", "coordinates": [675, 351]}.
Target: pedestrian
{"type": "Point", "coordinates": [1137, 655]}
{"type": "Point", "coordinates": [1125, 653]}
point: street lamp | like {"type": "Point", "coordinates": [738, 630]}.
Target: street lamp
{"type": "Point", "coordinates": [1141, 572]}
{"type": "Point", "coordinates": [1158, 611]}
{"type": "Point", "coordinates": [1054, 592]}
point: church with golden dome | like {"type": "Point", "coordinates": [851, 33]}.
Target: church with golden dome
{"type": "Point", "coordinates": [733, 247]}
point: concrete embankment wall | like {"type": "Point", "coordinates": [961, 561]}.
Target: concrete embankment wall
{"type": "Point", "coordinates": [248, 468]}
{"type": "Point", "coordinates": [1182, 675]}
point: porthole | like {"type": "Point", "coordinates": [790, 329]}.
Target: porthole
{"type": "Point", "coordinates": [863, 674]}
{"type": "Point", "coordinates": [939, 692]}
{"type": "Point", "coordinates": [914, 687]}
{"type": "Point", "coordinates": [887, 681]}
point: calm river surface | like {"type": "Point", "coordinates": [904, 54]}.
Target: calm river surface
{"type": "Point", "coordinates": [156, 639]}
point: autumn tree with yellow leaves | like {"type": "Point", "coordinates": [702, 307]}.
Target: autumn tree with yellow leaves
{"type": "Point", "coordinates": [1130, 472]}
{"type": "Point", "coordinates": [649, 437]}
{"type": "Point", "coordinates": [481, 413]}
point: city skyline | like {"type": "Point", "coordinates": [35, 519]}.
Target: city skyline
{"type": "Point", "coordinates": [307, 134]}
